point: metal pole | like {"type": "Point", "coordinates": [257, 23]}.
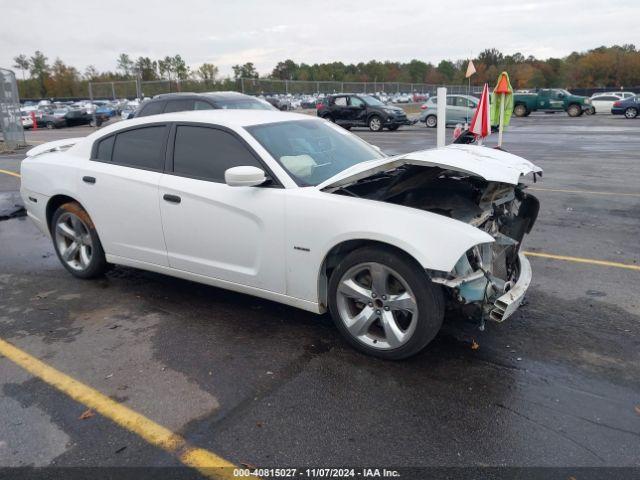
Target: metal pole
{"type": "Point", "coordinates": [342, 87]}
{"type": "Point", "coordinates": [441, 111]}
{"type": "Point", "coordinates": [318, 87]}
{"type": "Point", "coordinates": [93, 109]}
{"type": "Point", "coordinates": [113, 91]}
{"type": "Point", "coordinates": [286, 86]}
{"type": "Point", "coordinates": [138, 87]}
{"type": "Point", "coordinates": [242, 84]}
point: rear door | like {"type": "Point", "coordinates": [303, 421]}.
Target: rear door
{"type": "Point", "coordinates": [235, 234]}
{"type": "Point", "coordinates": [340, 109]}
{"type": "Point", "coordinates": [119, 189]}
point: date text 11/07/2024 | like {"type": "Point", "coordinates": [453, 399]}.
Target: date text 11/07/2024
{"type": "Point", "coordinates": [316, 473]}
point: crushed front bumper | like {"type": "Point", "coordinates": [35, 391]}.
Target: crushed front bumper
{"type": "Point", "coordinates": [505, 305]}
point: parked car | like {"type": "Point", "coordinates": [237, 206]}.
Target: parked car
{"type": "Point", "coordinates": [26, 119]}
{"type": "Point", "coordinates": [630, 107]}
{"type": "Point", "coordinates": [602, 102]}
{"type": "Point", "coordinates": [179, 102]}
{"type": "Point", "coordinates": [281, 103]}
{"type": "Point", "coordinates": [549, 100]}
{"type": "Point", "coordinates": [351, 110]}
{"type": "Point", "coordinates": [296, 210]}
{"type": "Point", "coordinates": [55, 118]}
{"type": "Point", "coordinates": [80, 116]}
{"type": "Point", "coordinates": [460, 109]}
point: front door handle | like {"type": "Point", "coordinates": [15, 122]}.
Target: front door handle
{"type": "Point", "coordinates": [172, 198]}
{"type": "Point", "coordinates": [89, 179]}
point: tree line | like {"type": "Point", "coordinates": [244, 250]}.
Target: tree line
{"type": "Point", "coordinates": [615, 66]}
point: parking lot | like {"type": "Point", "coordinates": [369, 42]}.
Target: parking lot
{"type": "Point", "coordinates": [258, 383]}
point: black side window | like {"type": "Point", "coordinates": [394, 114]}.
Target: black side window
{"type": "Point", "coordinates": [153, 108]}
{"type": "Point", "coordinates": [182, 105]}
{"type": "Point", "coordinates": [206, 153]}
{"type": "Point", "coordinates": [141, 148]}
{"type": "Point", "coordinates": [105, 148]}
{"type": "Point", "coordinates": [200, 105]}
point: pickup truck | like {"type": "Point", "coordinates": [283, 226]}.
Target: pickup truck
{"type": "Point", "coordinates": [550, 100]}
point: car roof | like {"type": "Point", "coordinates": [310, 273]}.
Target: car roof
{"type": "Point", "coordinates": [223, 117]}
{"type": "Point", "coordinates": [209, 95]}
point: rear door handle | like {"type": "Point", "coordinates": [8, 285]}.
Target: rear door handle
{"type": "Point", "coordinates": [89, 179]}
{"type": "Point", "coordinates": [172, 198]}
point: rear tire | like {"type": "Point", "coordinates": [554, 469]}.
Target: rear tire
{"type": "Point", "coordinates": [431, 121]}
{"type": "Point", "coordinates": [520, 110]}
{"type": "Point", "coordinates": [574, 110]}
{"type": "Point", "coordinates": [631, 112]}
{"type": "Point", "coordinates": [50, 125]}
{"type": "Point", "coordinates": [384, 304]}
{"type": "Point", "coordinates": [76, 241]}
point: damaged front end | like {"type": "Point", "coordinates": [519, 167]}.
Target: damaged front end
{"type": "Point", "coordinates": [490, 279]}
{"type": "Point", "coordinates": [493, 277]}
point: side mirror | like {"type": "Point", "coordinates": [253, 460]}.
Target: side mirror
{"type": "Point", "coordinates": [244, 176]}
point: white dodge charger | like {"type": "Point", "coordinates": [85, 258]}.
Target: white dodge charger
{"type": "Point", "coordinates": [296, 210]}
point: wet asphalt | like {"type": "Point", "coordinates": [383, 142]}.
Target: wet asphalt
{"type": "Point", "coordinates": [558, 384]}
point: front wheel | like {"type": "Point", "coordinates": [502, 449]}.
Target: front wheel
{"type": "Point", "coordinates": [375, 123]}
{"type": "Point", "coordinates": [384, 304]}
{"type": "Point", "coordinates": [574, 110]}
{"type": "Point", "coordinates": [631, 112]}
{"type": "Point", "coordinates": [76, 241]}
{"type": "Point", "coordinates": [590, 111]}
{"type": "Point", "coordinates": [431, 121]}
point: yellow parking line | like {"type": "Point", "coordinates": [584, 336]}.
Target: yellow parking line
{"type": "Point", "coordinates": [602, 263]}
{"type": "Point", "coordinates": [7, 172]}
{"type": "Point", "coordinates": [208, 463]}
{"type": "Point", "coordinates": [585, 192]}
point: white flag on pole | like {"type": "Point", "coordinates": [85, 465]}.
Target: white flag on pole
{"type": "Point", "coordinates": [471, 69]}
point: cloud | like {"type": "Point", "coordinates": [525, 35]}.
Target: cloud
{"type": "Point", "coordinates": [227, 33]}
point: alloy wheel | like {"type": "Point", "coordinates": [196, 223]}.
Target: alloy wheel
{"type": "Point", "coordinates": [375, 124]}
{"type": "Point", "coordinates": [631, 113]}
{"type": "Point", "coordinates": [73, 241]}
{"type": "Point", "coordinates": [377, 306]}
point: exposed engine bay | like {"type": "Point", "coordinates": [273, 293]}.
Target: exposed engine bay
{"type": "Point", "coordinates": [487, 272]}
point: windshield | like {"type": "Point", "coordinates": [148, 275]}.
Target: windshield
{"type": "Point", "coordinates": [312, 151]}
{"type": "Point", "coordinates": [372, 101]}
{"type": "Point", "coordinates": [244, 104]}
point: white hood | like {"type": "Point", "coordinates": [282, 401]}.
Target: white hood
{"type": "Point", "coordinates": [488, 163]}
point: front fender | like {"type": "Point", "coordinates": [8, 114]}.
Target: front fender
{"type": "Point", "coordinates": [318, 221]}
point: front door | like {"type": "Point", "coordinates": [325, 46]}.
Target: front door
{"type": "Point", "coordinates": [235, 234]}
{"type": "Point", "coordinates": [357, 111]}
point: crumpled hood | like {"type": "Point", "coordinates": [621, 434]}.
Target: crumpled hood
{"type": "Point", "coordinates": [488, 163]}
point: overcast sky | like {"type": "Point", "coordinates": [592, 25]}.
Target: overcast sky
{"type": "Point", "coordinates": [263, 32]}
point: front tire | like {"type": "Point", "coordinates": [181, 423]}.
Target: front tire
{"type": "Point", "coordinates": [76, 241]}
{"type": "Point", "coordinates": [384, 304]}
{"type": "Point", "coordinates": [431, 121]}
{"type": "Point", "coordinates": [375, 123]}
{"type": "Point", "coordinates": [631, 112]}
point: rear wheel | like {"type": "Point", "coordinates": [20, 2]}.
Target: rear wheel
{"type": "Point", "coordinates": [574, 110]}
{"type": "Point", "coordinates": [431, 121]}
{"type": "Point", "coordinates": [76, 241]}
{"type": "Point", "coordinates": [520, 110]}
{"type": "Point", "coordinates": [50, 125]}
{"type": "Point", "coordinates": [384, 304]}
{"type": "Point", "coordinates": [375, 123]}
{"type": "Point", "coordinates": [631, 112]}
